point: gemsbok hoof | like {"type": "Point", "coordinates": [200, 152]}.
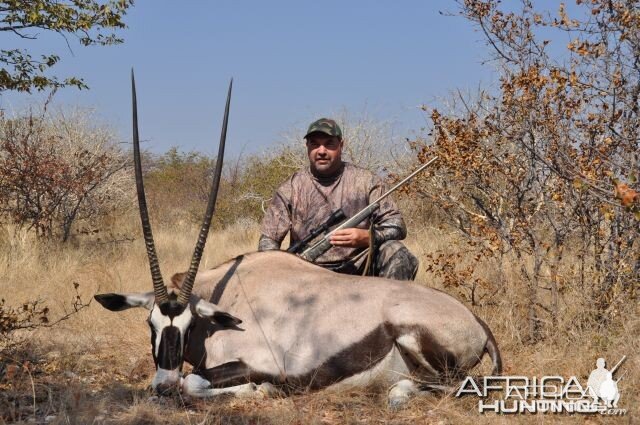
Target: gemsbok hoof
{"type": "Point", "coordinates": [267, 390]}
{"type": "Point", "coordinates": [400, 393]}
{"type": "Point", "coordinates": [249, 390]}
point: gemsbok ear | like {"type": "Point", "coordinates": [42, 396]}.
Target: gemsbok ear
{"type": "Point", "coordinates": [119, 302]}
{"type": "Point", "coordinates": [178, 279]}
{"type": "Point", "coordinates": [211, 311]}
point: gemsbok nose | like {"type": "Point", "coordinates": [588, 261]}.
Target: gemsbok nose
{"type": "Point", "coordinates": [166, 382]}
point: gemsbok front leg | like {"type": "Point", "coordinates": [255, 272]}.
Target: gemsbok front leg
{"type": "Point", "coordinates": [196, 386]}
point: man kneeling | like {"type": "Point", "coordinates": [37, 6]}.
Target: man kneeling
{"type": "Point", "coordinates": [307, 198]}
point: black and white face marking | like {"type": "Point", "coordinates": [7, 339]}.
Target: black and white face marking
{"type": "Point", "coordinates": [170, 325]}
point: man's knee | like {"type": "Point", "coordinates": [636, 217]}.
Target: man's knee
{"type": "Point", "coordinates": [395, 261]}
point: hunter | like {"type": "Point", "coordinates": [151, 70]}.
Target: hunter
{"type": "Point", "coordinates": [307, 198]}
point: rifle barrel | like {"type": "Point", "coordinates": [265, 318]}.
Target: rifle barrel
{"type": "Point", "coordinates": [406, 179]}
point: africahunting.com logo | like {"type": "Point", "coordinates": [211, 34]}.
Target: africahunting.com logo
{"type": "Point", "coordinates": [548, 394]}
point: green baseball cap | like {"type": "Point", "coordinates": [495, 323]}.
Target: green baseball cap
{"type": "Point", "coordinates": [326, 126]}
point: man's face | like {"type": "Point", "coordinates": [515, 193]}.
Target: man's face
{"type": "Point", "coordinates": [325, 153]}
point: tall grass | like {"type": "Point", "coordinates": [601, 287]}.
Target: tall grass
{"type": "Point", "coordinates": [96, 366]}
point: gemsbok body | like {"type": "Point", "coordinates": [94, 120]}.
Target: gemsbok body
{"type": "Point", "coordinates": [271, 320]}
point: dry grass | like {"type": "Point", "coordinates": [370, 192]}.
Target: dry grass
{"type": "Point", "coordinates": [96, 366]}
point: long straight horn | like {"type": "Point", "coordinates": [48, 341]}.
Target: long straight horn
{"type": "Point", "coordinates": [158, 284]}
{"type": "Point", "coordinates": [187, 286]}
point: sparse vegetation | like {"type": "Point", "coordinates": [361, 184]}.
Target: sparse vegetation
{"type": "Point", "coordinates": [530, 217]}
{"type": "Point", "coordinates": [58, 169]}
{"type": "Point", "coordinates": [536, 174]}
{"type": "Point", "coordinates": [97, 365]}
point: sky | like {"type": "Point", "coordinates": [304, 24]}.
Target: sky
{"type": "Point", "coordinates": [292, 62]}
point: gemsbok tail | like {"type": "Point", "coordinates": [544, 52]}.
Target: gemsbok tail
{"type": "Point", "coordinates": [492, 348]}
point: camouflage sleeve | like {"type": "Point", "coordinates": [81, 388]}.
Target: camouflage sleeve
{"type": "Point", "coordinates": [276, 223]}
{"type": "Point", "coordinates": [268, 244]}
{"type": "Point", "coordinates": [388, 223]}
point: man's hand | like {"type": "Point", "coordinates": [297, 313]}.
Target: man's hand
{"type": "Point", "coordinates": [351, 238]}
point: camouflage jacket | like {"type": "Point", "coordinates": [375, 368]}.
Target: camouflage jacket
{"type": "Point", "coordinates": [304, 202]}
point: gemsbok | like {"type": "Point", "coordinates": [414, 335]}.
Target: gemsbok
{"type": "Point", "coordinates": [303, 327]}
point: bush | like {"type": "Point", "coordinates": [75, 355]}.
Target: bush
{"type": "Point", "coordinates": [58, 169]}
{"type": "Point", "coordinates": [178, 183]}
{"type": "Point", "coordinates": [542, 176]}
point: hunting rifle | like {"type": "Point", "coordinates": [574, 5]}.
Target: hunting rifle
{"type": "Point", "coordinates": [324, 244]}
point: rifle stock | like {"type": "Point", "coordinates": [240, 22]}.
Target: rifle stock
{"type": "Point", "coordinates": [335, 217]}
{"type": "Point", "coordinates": [324, 244]}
